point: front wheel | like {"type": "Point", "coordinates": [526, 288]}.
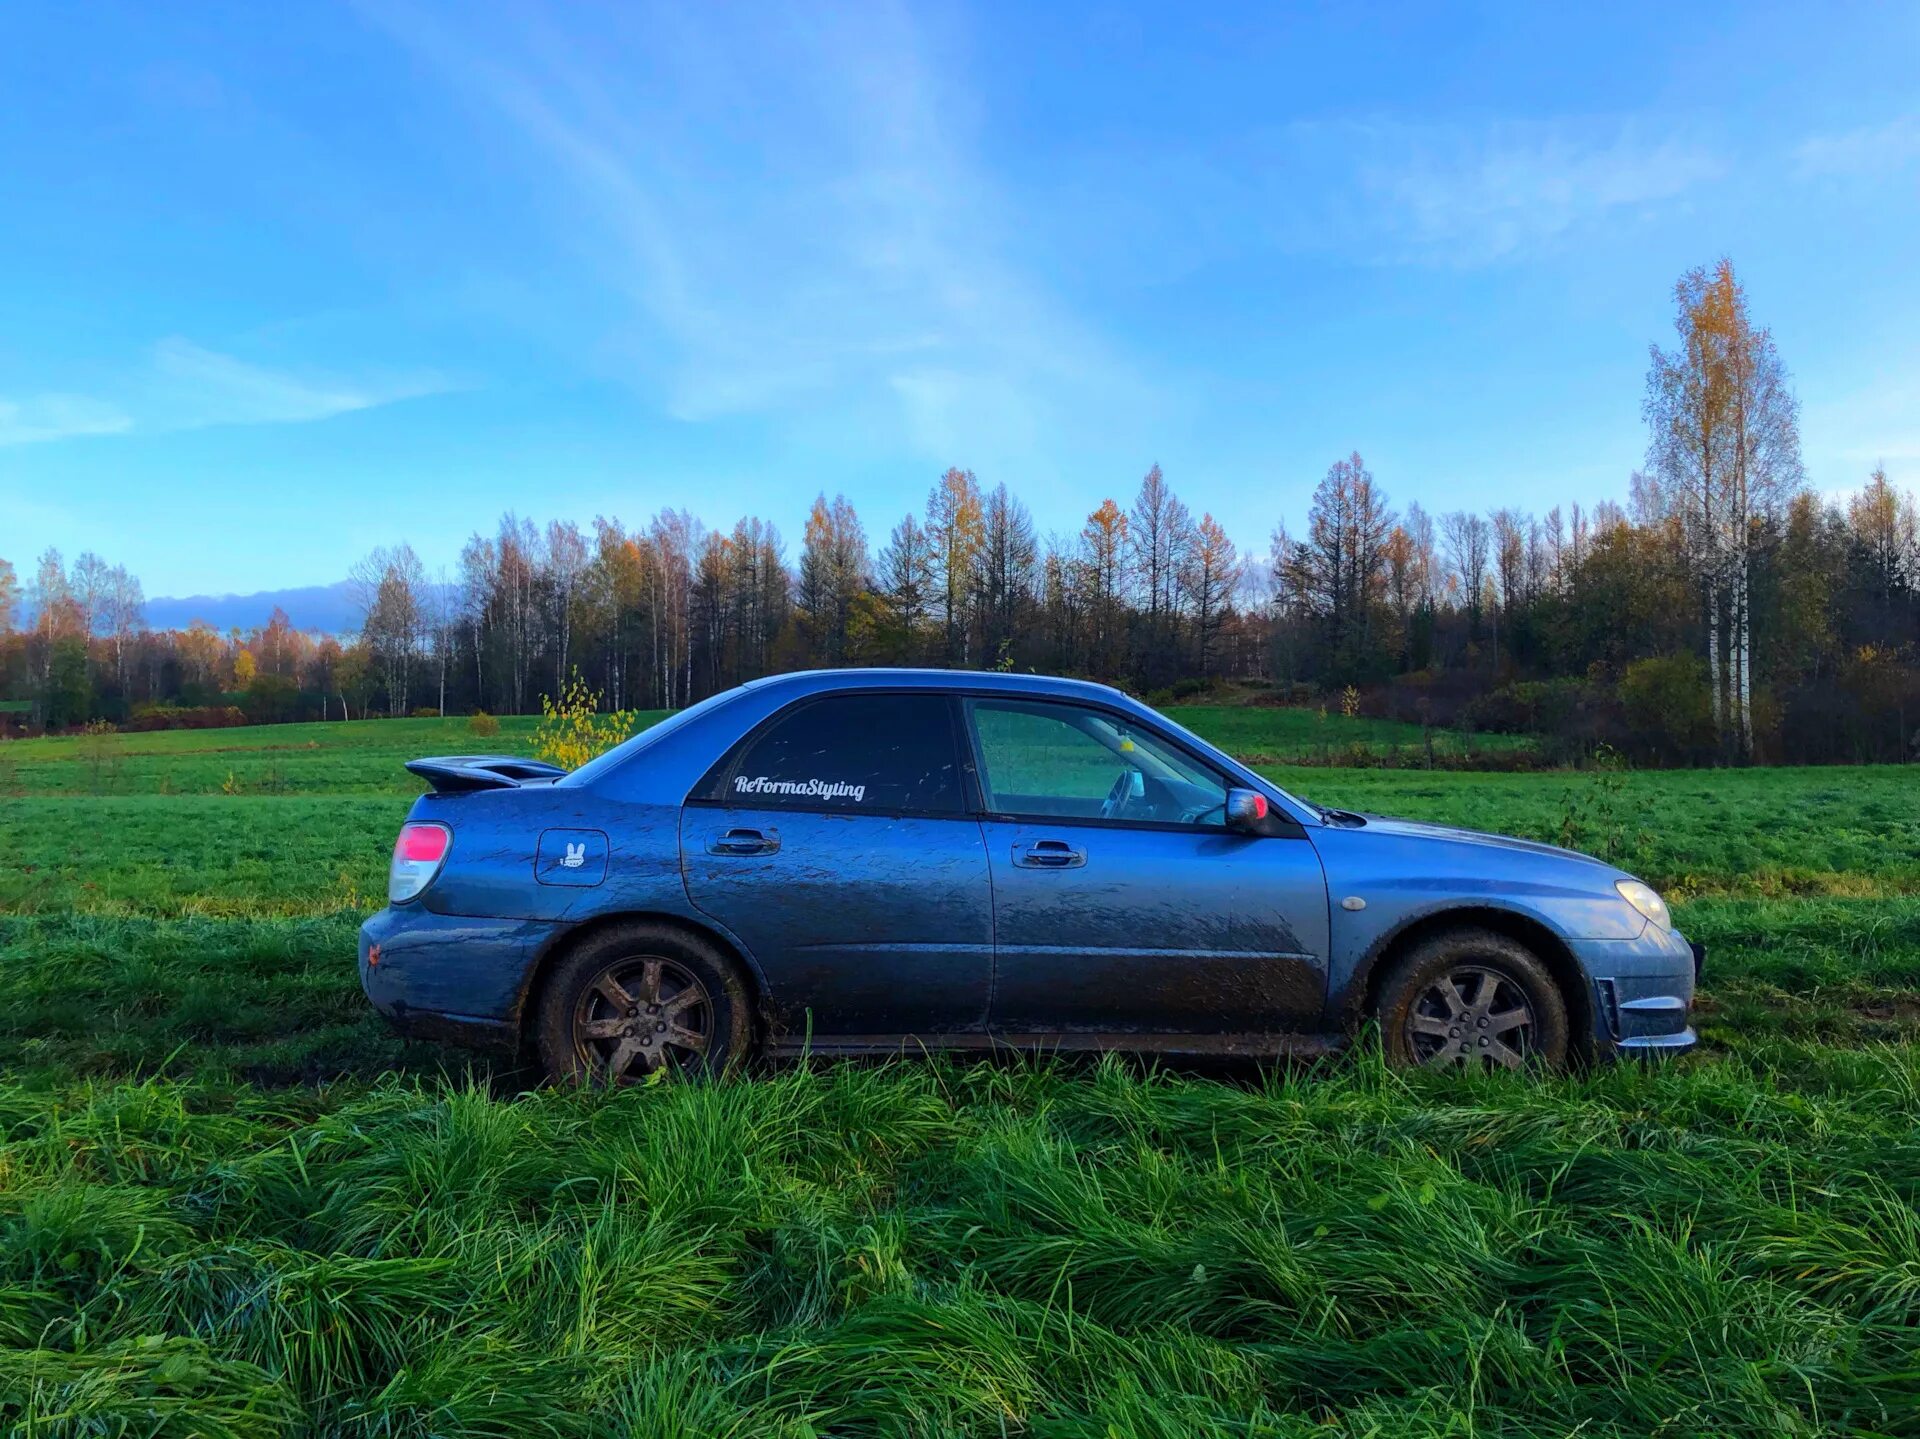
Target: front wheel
{"type": "Point", "coordinates": [1472, 999]}
{"type": "Point", "coordinates": [637, 1000]}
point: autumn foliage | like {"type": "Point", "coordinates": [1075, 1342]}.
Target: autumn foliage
{"type": "Point", "coordinates": [573, 729]}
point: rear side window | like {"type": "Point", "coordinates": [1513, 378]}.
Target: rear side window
{"type": "Point", "coordinates": [873, 753]}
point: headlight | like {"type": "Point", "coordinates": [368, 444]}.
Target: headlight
{"type": "Point", "coordinates": [1643, 898]}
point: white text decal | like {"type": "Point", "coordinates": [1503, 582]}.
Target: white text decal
{"type": "Point", "coordinates": [800, 788]}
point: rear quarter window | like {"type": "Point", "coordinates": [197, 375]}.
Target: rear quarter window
{"type": "Point", "coordinates": [861, 754]}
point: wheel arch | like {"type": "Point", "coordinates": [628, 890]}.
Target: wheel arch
{"type": "Point", "coordinates": [548, 960]}
{"type": "Point", "coordinates": [1552, 950]}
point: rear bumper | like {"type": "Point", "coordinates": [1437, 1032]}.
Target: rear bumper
{"type": "Point", "coordinates": [450, 977]}
{"type": "Point", "coordinates": [1643, 992]}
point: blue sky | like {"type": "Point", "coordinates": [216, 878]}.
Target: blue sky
{"type": "Point", "coordinates": [279, 284]}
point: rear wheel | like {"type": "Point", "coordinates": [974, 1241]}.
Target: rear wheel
{"type": "Point", "coordinates": [641, 999]}
{"type": "Point", "coordinates": [1472, 999]}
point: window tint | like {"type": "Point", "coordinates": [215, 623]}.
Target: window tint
{"type": "Point", "coordinates": [860, 753]}
{"type": "Point", "coordinates": [1072, 763]}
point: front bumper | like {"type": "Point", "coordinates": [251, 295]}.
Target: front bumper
{"type": "Point", "coordinates": [1643, 992]}
{"type": "Point", "coordinates": [450, 977]}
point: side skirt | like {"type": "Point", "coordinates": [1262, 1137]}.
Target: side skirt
{"type": "Point", "coordinates": [1191, 1046]}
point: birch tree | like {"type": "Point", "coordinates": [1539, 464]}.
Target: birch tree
{"type": "Point", "coordinates": [1725, 456]}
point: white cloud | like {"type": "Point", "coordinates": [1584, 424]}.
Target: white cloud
{"type": "Point", "coordinates": [1470, 196]}
{"type": "Point", "coordinates": [39, 418]}
{"type": "Point", "coordinates": [1378, 190]}
{"type": "Point", "coordinates": [195, 387]}
{"type": "Point", "coordinates": [787, 203]}
{"type": "Point", "coordinates": [1871, 150]}
{"type": "Point", "coordinates": [184, 386]}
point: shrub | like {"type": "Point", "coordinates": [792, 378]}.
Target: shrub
{"type": "Point", "coordinates": [483, 724]}
{"type": "Point", "coordinates": [101, 755]}
{"type": "Point", "coordinates": [270, 698]}
{"type": "Point", "coordinates": [425, 712]}
{"type": "Point", "coordinates": [146, 718]}
{"type": "Point", "coordinates": [1525, 707]}
{"type": "Point", "coordinates": [572, 730]}
{"type": "Point", "coordinates": [1668, 707]}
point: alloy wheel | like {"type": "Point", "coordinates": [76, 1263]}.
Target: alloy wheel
{"type": "Point", "coordinates": [1472, 1017]}
{"type": "Point", "coordinates": [640, 1015]}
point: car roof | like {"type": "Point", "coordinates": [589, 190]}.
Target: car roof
{"type": "Point", "coordinates": [800, 682]}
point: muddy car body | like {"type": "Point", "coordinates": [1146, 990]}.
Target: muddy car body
{"type": "Point", "coordinates": [861, 860]}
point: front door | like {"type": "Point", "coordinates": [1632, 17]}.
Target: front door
{"type": "Point", "coordinates": [838, 846]}
{"type": "Point", "coordinates": [1122, 902]}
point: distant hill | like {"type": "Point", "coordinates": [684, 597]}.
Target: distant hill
{"type": "Point", "coordinates": [327, 608]}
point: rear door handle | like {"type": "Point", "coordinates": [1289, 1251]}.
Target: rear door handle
{"type": "Point", "coordinates": [1048, 854]}
{"type": "Point", "coordinates": [741, 840]}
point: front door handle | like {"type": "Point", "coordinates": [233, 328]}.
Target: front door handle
{"type": "Point", "coordinates": [1048, 854]}
{"type": "Point", "coordinates": [743, 840]}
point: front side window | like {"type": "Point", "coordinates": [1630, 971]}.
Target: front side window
{"type": "Point", "coordinates": [859, 753]}
{"type": "Point", "coordinates": [1067, 762]}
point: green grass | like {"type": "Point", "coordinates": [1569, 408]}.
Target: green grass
{"type": "Point", "coordinates": [1263, 734]}
{"type": "Point", "coordinates": [1828, 830]}
{"type": "Point", "coordinates": [365, 756]}
{"type": "Point", "coordinates": [943, 1249]}
{"type": "Point", "coordinates": [233, 1203]}
{"type": "Point", "coordinates": [360, 757]}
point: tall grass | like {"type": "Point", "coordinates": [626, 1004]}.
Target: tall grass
{"type": "Point", "coordinates": [949, 1248]}
{"type": "Point", "coordinates": [233, 1204]}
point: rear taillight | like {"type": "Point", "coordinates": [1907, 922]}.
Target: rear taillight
{"type": "Point", "coordinates": [417, 857]}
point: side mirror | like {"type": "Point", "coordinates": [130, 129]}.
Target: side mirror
{"type": "Point", "coordinates": [1247, 811]}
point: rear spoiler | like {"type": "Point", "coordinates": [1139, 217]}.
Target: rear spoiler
{"type": "Point", "coordinates": [459, 773]}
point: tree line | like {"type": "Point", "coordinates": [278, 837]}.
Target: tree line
{"type": "Point", "coordinates": [1724, 613]}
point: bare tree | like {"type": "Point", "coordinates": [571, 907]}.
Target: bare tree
{"type": "Point", "coordinates": [1004, 574]}
{"type": "Point", "coordinates": [1158, 530]}
{"type": "Point", "coordinates": [123, 612]}
{"type": "Point", "coordinates": [676, 537]}
{"type": "Point", "coordinates": [1102, 577]}
{"type": "Point", "coordinates": [906, 579]}
{"type": "Point", "coordinates": [1887, 529]}
{"type": "Point", "coordinates": [1469, 539]}
{"type": "Point", "coordinates": [1338, 573]}
{"type": "Point", "coordinates": [565, 561]}
{"type": "Point", "coordinates": [389, 588]}
{"type": "Point", "coordinates": [833, 572]}
{"type": "Point", "coordinates": [1210, 576]}
{"type": "Point", "coordinates": [9, 598]}
{"type": "Point", "coordinates": [954, 522]}
{"type": "Point", "coordinates": [478, 563]}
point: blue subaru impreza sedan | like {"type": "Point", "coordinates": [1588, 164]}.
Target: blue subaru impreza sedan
{"type": "Point", "coordinates": [854, 861]}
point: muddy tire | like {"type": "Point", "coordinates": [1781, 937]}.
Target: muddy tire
{"type": "Point", "coordinates": [1472, 999]}
{"type": "Point", "coordinates": [638, 999]}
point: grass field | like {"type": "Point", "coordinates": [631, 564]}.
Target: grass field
{"type": "Point", "coordinates": [232, 1203]}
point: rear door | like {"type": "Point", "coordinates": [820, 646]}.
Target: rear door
{"type": "Point", "coordinates": [837, 843]}
{"type": "Point", "coordinates": [1123, 904]}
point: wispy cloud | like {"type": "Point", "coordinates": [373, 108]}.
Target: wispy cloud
{"type": "Point", "coordinates": [1475, 195]}
{"type": "Point", "coordinates": [1869, 150]}
{"type": "Point", "coordinates": [185, 386]}
{"type": "Point", "coordinates": [39, 418]}
{"type": "Point", "coordinates": [789, 204]}
{"type": "Point", "coordinates": [1383, 190]}
{"type": "Point", "coordinates": [195, 387]}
